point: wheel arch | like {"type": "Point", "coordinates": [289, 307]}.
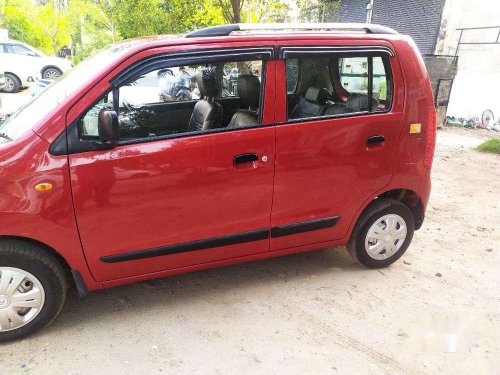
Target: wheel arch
{"type": "Point", "coordinates": [50, 67]}
{"type": "Point", "coordinates": [15, 75]}
{"type": "Point", "coordinates": [404, 195]}
{"type": "Point", "coordinates": [41, 245]}
{"type": "Point", "coordinates": [77, 275]}
{"type": "Point", "coordinates": [409, 198]}
{"type": "Point", "coordinates": [73, 277]}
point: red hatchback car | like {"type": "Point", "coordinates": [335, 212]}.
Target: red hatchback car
{"type": "Point", "coordinates": [230, 144]}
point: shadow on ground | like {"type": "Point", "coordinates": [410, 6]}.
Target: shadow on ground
{"type": "Point", "coordinates": [172, 292]}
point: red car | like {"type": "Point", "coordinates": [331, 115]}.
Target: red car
{"type": "Point", "coordinates": [325, 138]}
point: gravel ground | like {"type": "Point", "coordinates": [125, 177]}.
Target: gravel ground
{"type": "Point", "coordinates": [312, 313]}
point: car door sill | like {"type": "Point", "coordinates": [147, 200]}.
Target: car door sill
{"type": "Point", "coordinates": [231, 239]}
{"type": "Point", "coordinates": [305, 226]}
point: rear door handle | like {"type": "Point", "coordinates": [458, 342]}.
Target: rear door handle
{"type": "Point", "coordinates": [245, 158]}
{"type": "Point", "coordinates": [374, 139]}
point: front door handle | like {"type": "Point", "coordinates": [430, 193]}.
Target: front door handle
{"type": "Point", "coordinates": [245, 158]}
{"type": "Point", "coordinates": [374, 139]}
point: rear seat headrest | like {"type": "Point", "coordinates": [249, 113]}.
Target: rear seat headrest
{"type": "Point", "coordinates": [317, 95]}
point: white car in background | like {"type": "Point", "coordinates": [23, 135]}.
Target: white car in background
{"type": "Point", "coordinates": [2, 78]}
{"type": "Point", "coordinates": [23, 64]}
{"type": "Point", "coordinates": [2, 86]}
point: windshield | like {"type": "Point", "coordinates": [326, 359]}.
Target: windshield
{"type": "Point", "coordinates": [49, 99]}
{"type": "Point", "coordinates": [37, 51]}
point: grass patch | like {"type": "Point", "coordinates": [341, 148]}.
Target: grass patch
{"type": "Point", "coordinates": [491, 145]}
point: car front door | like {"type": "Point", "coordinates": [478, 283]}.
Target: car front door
{"type": "Point", "coordinates": [165, 199]}
{"type": "Point", "coordinates": [334, 147]}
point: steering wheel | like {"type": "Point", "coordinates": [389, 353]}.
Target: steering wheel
{"type": "Point", "coordinates": [128, 106]}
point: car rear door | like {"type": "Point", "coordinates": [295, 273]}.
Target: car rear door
{"type": "Point", "coordinates": [169, 202]}
{"type": "Point", "coordinates": [328, 165]}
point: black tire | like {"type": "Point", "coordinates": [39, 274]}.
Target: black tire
{"type": "Point", "coordinates": [51, 73]}
{"type": "Point", "coordinates": [47, 269]}
{"type": "Point", "coordinates": [378, 208]}
{"type": "Point", "coordinates": [12, 83]}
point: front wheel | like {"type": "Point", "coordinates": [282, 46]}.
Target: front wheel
{"type": "Point", "coordinates": [382, 234]}
{"type": "Point", "coordinates": [32, 289]}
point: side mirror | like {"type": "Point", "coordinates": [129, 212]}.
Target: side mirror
{"type": "Point", "coordinates": [108, 127]}
{"type": "Point", "coordinates": [31, 53]}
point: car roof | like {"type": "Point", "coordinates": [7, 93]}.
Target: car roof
{"type": "Point", "coordinates": [261, 32]}
{"type": "Point", "coordinates": [225, 30]}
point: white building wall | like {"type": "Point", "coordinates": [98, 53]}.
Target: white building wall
{"type": "Point", "coordinates": [477, 84]}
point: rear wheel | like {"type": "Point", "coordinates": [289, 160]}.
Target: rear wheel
{"type": "Point", "coordinates": [12, 83]}
{"type": "Point", "coordinates": [32, 289]}
{"type": "Point", "coordinates": [51, 73]}
{"type": "Point", "coordinates": [382, 234]}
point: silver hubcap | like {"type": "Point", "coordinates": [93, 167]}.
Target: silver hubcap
{"type": "Point", "coordinates": [21, 298]}
{"type": "Point", "coordinates": [9, 84]}
{"type": "Point", "coordinates": [51, 74]}
{"type": "Point", "coordinates": [385, 237]}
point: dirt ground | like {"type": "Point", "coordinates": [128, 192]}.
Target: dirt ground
{"type": "Point", "coordinates": [312, 313]}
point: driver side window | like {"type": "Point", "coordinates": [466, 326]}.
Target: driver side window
{"type": "Point", "coordinates": [183, 99]}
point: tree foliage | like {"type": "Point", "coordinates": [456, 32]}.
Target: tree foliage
{"type": "Point", "coordinates": [88, 25]}
{"type": "Point", "coordinates": [318, 10]}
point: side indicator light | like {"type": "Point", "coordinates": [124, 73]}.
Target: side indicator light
{"type": "Point", "coordinates": [45, 186]}
{"type": "Point", "coordinates": [415, 128]}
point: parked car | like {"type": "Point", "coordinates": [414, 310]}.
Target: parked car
{"type": "Point", "coordinates": [2, 86]}
{"type": "Point", "coordinates": [327, 140]}
{"type": "Point", "coordinates": [2, 79]}
{"type": "Point", "coordinates": [25, 57]}
{"type": "Point", "coordinates": [18, 75]}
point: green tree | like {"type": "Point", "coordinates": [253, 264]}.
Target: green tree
{"type": "Point", "coordinates": [266, 11]}
{"type": "Point", "coordinates": [43, 25]}
{"type": "Point", "coordinates": [140, 17]}
{"type": "Point", "coordinates": [88, 25]}
{"type": "Point", "coordinates": [231, 10]}
{"type": "Point", "coordinates": [152, 17]}
{"type": "Point", "coordinates": [318, 10]}
{"type": "Point", "coordinates": [53, 21]}
{"type": "Point", "coordinates": [93, 27]}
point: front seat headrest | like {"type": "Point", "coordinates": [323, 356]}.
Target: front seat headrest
{"type": "Point", "coordinates": [317, 95]}
{"type": "Point", "coordinates": [208, 84]}
{"type": "Point", "coordinates": [249, 90]}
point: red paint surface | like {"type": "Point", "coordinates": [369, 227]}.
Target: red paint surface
{"type": "Point", "coordinates": [169, 191]}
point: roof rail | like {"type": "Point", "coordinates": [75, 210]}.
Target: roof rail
{"type": "Point", "coordinates": [225, 30]}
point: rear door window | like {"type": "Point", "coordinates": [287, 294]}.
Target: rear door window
{"type": "Point", "coordinates": [336, 85]}
{"type": "Point", "coordinates": [353, 76]}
